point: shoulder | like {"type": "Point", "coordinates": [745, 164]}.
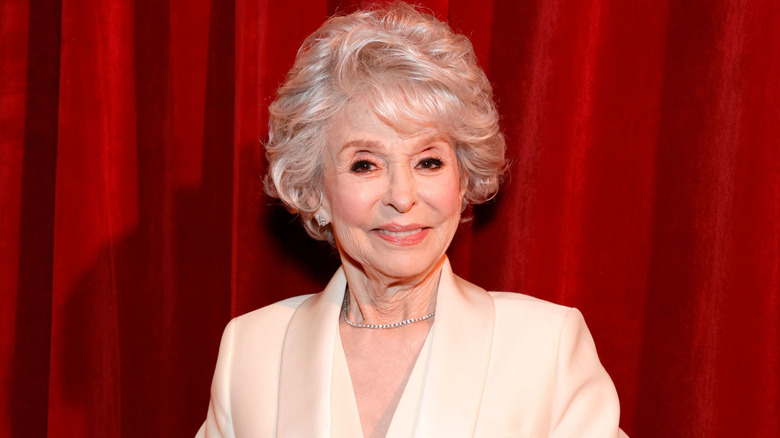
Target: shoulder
{"type": "Point", "coordinates": [268, 319]}
{"type": "Point", "coordinates": [251, 346]}
{"type": "Point", "coordinates": [261, 330]}
{"type": "Point", "coordinates": [522, 318]}
{"type": "Point", "coordinates": [528, 308]}
{"type": "Point", "coordinates": [515, 310]}
{"type": "Point", "coordinates": [513, 304]}
{"type": "Point", "coordinates": [244, 388]}
{"type": "Point", "coordinates": [548, 347]}
{"type": "Point", "coordinates": [540, 322]}
{"type": "Point", "coordinates": [516, 300]}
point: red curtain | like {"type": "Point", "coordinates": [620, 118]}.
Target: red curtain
{"type": "Point", "coordinates": [644, 190]}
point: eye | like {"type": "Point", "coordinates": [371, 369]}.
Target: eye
{"type": "Point", "coordinates": [362, 166]}
{"type": "Point", "coordinates": [430, 163]}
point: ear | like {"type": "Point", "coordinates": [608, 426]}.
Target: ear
{"type": "Point", "coordinates": [464, 183]}
{"type": "Point", "coordinates": [320, 199]}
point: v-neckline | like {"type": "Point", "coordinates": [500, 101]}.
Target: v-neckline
{"type": "Point", "coordinates": [452, 394]}
{"type": "Point", "coordinates": [344, 410]}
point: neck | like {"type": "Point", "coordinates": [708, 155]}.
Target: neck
{"type": "Point", "coordinates": [377, 299]}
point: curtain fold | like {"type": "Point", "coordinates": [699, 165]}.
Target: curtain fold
{"type": "Point", "coordinates": [644, 189]}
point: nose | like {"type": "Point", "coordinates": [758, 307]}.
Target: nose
{"type": "Point", "coordinates": [401, 191]}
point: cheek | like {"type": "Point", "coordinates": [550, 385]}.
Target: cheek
{"type": "Point", "coordinates": [447, 195]}
{"type": "Point", "coordinates": [352, 214]}
{"type": "Point", "coordinates": [352, 204]}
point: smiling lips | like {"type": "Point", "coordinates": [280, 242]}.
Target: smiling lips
{"type": "Point", "coordinates": [402, 235]}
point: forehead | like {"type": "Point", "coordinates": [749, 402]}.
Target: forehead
{"type": "Point", "coordinates": [359, 123]}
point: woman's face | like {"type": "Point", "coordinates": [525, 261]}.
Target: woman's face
{"type": "Point", "coordinates": [394, 200]}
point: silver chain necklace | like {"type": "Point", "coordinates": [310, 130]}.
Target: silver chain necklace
{"type": "Point", "coordinates": [345, 306]}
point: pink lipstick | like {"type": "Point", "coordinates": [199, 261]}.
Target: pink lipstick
{"type": "Point", "coordinates": [402, 235]}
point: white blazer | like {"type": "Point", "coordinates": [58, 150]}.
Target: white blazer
{"type": "Point", "coordinates": [500, 365]}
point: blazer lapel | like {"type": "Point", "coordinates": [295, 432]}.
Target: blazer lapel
{"type": "Point", "coordinates": [460, 356]}
{"type": "Point", "coordinates": [306, 364]}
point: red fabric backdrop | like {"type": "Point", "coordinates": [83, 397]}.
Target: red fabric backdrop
{"type": "Point", "coordinates": [644, 190]}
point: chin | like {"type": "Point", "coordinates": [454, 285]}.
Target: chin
{"type": "Point", "coordinates": [406, 267]}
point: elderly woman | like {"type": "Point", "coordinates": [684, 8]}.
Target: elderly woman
{"type": "Point", "coordinates": [384, 130]}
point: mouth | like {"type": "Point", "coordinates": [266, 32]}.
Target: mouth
{"type": "Point", "coordinates": [402, 235]}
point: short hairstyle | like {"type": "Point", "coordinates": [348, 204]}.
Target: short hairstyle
{"type": "Point", "coordinates": [406, 66]}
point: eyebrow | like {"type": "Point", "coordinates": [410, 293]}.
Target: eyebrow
{"type": "Point", "coordinates": [369, 144]}
{"type": "Point", "coordinates": [359, 144]}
